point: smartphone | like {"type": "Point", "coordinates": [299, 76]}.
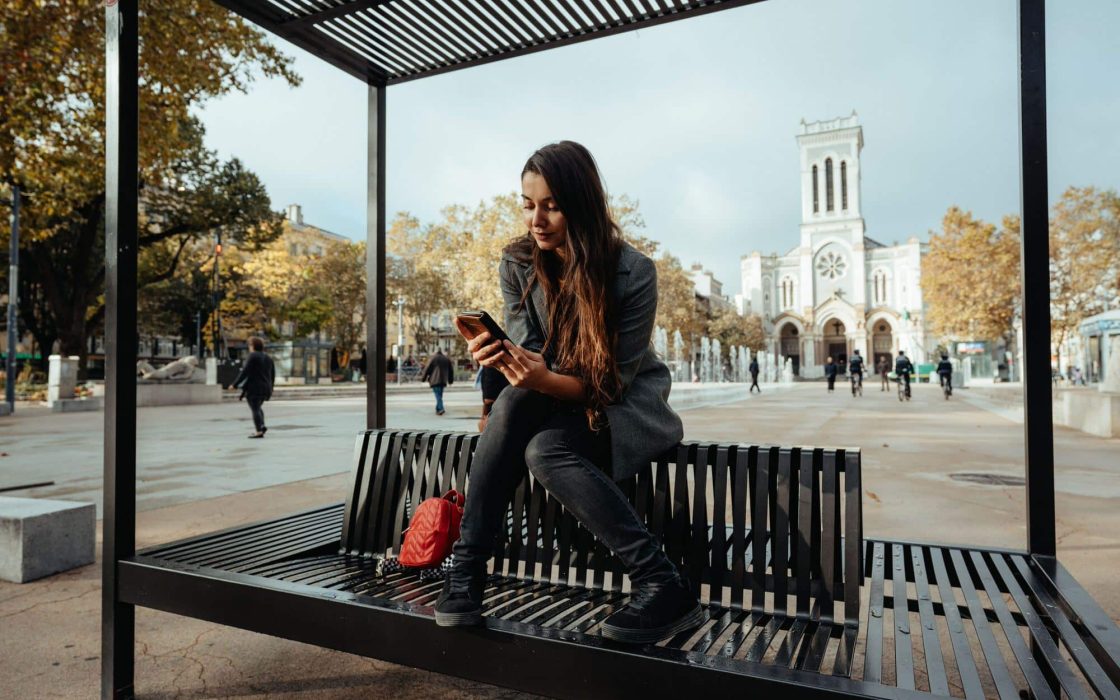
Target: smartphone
{"type": "Point", "coordinates": [477, 322]}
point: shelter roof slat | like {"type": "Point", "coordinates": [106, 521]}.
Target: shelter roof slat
{"type": "Point", "coordinates": [505, 9]}
{"type": "Point", "coordinates": [490, 31]}
{"type": "Point", "coordinates": [466, 21]}
{"type": "Point", "coordinates": [410, 15]}
{"type": "Point", "coordinates": [607, 18]}
{"type": "Point", "coordinates": [497, 18]}
{"type": "Point", "coordinates": [589, 18]}
{"type": "Point", "coordinates": [416, 55]}
{"type": "Point", "coordinates": [635, 11]}
{"type": "Point", "coordinates": [385, 42]}
{"type": "Point", "coordinates": [437, 22]}
{"type": "Point", "coordinates": [402, 19]}
{"type": "Point", "coordinates": [378, 51]}
{"type": "Point", "coordinates": [554, 28]}
{"type": "Point", "coordinates": [521, 10]}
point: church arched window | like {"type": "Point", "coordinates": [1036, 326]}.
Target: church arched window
{"type": "Point", "coordinates": [787, 293]}
{"type": "Point", "coordinates": [816, 192]}
{"type": "Point", "coordinates": [879, 287]}
{"type": "Point", "coordinates": [828, 184]}
{"type": "Point", "coordinates": [844, 185]}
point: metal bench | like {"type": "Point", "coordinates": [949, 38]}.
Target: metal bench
{"type": "Point", "coordinates": [771, 537]}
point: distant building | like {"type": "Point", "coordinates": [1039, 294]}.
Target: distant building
{"type": "Point", "coordinates": [838, 290]}
{"type": "Point", "coordinates": [708, 289]}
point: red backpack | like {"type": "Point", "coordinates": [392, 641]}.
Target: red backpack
{"type": "Point", "coordinates": [434, 528]}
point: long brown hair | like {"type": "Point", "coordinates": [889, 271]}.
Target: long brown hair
{"type": "Point", "coordinates": [582, 326]}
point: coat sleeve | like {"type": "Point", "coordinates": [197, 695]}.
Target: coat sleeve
{"type": "Point", "coordinates": [244, 373]}
{"type": "Point", "coordinates": [637, 313]}
{"type": "Point", "coordinates": [518, 324]}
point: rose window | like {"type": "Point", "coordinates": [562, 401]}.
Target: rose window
{"type": "Point", "coordinates": [831, 266]}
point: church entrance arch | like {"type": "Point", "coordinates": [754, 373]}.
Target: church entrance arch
{"type": "Point", "coordinates": [882, 342]}
{"type": "Point", "coordinates": [791, 347]}
{"type": "Point", "coordinates": [836, 342]}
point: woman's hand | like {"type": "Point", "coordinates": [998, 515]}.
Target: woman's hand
{"type": "Point", "coordinates": [480, 347]}
{"type": "Point", "coordinates": [523, 368]}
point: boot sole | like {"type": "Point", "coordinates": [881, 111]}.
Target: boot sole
{"type": "Point", "coordinates": [463, 619]}
{"type": "Point", "coordinates": [648, 636]}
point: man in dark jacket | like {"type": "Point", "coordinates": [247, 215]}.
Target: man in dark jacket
{"type": "Point", "coordinates": [255, 381]}
{"type": "Point", "coordinates": [438, 374]}
{"type": "Point", "coordinates": [945, 372]}
{"type": "Point", "coordinates": [754, 375]}
{"type": "Point", "coordinates": [830, 370]}
{"type": "Point", "coordinates": [903, 368]}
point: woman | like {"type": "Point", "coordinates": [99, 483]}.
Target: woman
{"type": "Point", "coordinates": [588, 397]}
{"type": "Point", "coordinates": [830, 370]}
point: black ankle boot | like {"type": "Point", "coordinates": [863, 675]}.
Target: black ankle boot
{"type": "Point", "coordinates": [460, 603]}
{"type": "Point", "coordinates": [655, 611]}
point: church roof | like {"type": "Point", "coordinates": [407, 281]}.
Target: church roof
{"type": "Point", "coordinates": [872, 243]}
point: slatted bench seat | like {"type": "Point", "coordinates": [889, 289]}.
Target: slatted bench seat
{"type": "Point", "coordinates": [798, 602]}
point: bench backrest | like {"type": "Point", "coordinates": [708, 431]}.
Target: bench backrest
{"type": "Point", "coordinates": [719, 510]}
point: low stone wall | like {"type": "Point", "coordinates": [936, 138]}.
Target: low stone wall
{"type": "Point", "coordinates": [169, 394]}
{"type": "Point", "coordinates": [1088, 410]}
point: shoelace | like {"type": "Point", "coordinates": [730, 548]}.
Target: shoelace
{"type": "Point", "coordinates": [644, 596]}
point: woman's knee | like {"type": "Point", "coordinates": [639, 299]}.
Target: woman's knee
{"type": "Point", "coordinates": [512, 404]}
{"type": "Point", "coordinates": [543, 453]}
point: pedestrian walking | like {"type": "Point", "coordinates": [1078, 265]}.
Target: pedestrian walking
{"type": "Point", "coordinates": [754, 375]}
{"type": "Point", "coordinates": [588, 401]}
{"type": "Point", "coordinates": [883, 367]}
{"type": "Point", "coordinates": [438, 373]}
{"type": "Point", "coordinates": [255, 380]}
{"type": "Point", "coordinates": [830, 370]}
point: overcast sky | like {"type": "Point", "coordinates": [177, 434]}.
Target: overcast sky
{"type": "Point", "coordinates": [697, 120]}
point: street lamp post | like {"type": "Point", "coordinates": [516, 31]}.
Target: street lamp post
{"type": "Point", "coordinates": [13, 298]}
{"type": "Point", "coordinates": [400, 336]}
{"type": "Point", "coordinates": [217, 323]}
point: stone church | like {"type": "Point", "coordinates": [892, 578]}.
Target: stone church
{"type": "Point", "coordinates": [838, 290]}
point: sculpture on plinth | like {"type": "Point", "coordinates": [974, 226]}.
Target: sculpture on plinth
{"type": "Point", "coordinates": [181, 370]}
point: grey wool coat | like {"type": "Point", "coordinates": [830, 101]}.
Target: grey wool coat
{"type": "Point", "coordinates": [642, 424]}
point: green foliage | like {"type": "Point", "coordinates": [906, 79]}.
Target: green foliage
{"type": "Point", "coordinates": [52, 120]}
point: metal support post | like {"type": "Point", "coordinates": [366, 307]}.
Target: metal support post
{"type": "Point", "coordinates": [1038, 422]}
{"type": "Point", "coordinates": [118, 624]}
{"type": "Point", "coordinates": [375, 259]}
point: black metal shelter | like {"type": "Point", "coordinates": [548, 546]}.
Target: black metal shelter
{"type": "Point", "coordinates": [384, 42]}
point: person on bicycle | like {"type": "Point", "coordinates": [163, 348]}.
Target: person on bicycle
{"type": "Point", "coordinates": [855, 367]}
{"type": "Point", "coordinates": [903, 368]}
{"type": "Point", "coordinates": [945, 371]}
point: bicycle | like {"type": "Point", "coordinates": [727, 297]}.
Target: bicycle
{"type": "Point", "coordinates": [899, 381]}
{"type": "Point", "coordinates": [857, 385]}
{"type": "Point", "coordinates": [946, 386]}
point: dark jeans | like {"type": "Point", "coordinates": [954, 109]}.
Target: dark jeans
{"type": "Point", "coordinates": [438, 391]}
{"type": "Point", "coordinates": [552, 439]}
{"type": "Point", "coordinates": [255, 405]}
{"type": "Point", "coordinates": [754, 383]}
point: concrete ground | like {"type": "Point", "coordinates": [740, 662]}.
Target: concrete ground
{"type": "Point", "coordinates": [198, 473]}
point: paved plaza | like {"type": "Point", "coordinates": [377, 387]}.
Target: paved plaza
{"type": "Point", "coordinates": [933, 470]}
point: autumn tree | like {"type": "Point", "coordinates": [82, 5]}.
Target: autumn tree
{"type": "Point", "coordinates": [971, 277]}
{"type": "Point", "coordinates": [340, 275]}
{"type": "Point", "coordinates": [1084, 258]}
{"type": "Point", "coordinates": [52, 116]}
{"type": "Point", "coordinates": [421, 269]}
{"type": "Point", "coordinates": [727, 326]}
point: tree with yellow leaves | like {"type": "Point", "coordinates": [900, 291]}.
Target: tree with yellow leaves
{"type": "Point", "coordinates": [52, 117]}
{"type": "Point", "coordinates": [970, 277]}
{"type": "Point", "coordinates": [1084, 258]}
